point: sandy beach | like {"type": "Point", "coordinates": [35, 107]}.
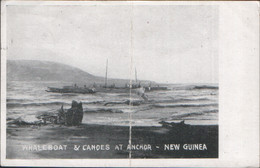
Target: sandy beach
{"type": "Point", "coordinates": [100, 141]}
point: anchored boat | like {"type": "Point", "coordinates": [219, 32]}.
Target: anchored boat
{"type": "Point", "coordinates": [72, 89]}
{"type": "Point", "coordinates": [113, 88]}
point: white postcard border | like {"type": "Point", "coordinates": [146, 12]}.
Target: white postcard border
{"type": "Point", "coordinates": [238, 90]}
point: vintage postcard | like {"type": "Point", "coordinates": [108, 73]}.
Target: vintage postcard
{"type": "Point", "coordinates": [114, 83]}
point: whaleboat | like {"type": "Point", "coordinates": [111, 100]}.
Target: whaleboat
{"type": "Point", "coordinates": [72, 89]}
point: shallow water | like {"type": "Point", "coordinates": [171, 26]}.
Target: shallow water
{"type": "Point", "coordinates": [181, 102]}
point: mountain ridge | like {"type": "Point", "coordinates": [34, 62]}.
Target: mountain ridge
{"type": "Point", "coordinates": [36, 70]}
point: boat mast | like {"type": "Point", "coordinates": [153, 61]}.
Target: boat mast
{"type": "Point", "coordinates": [135, 76]}
{"type": "Point", "coordinates": [106, 74]}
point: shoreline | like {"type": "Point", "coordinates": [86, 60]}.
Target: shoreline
{"type": "Point", "coordinates": [149, 142]}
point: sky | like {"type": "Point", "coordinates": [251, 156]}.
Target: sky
{"type": "Point", "coordinates": [168, 43]}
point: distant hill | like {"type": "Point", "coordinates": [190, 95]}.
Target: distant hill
{"type": "Point", "coordinates": [32, 70]}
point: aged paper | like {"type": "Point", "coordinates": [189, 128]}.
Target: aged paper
{"type": "Point", "coordinates": [129, 83]}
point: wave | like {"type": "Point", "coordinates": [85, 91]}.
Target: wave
{"type": "Point", "coordinates": [211, 111]}
{"type": "Point", "coordinates": [13, 105]}
{"type": "Point", "coordinates": [20, 122]}
{"type": "Point", "coordinates": [115, 110]}
{"type": "Point", "coordinates": [179, 100]}
{"type": "Point", "coordinates": [10, 105]}
{"type": "Point", "coordinates": [192, 114]}
{"type": "Point", "coordinates": [190, 87]}
{"type": "Point", "coordinates": [94, 102]}
{"type": "Point", "coordinates": [16, 100]}
{"type": "Point", "coordinates": [103, 110]}
{"type": "Point", "coordinates": [183, 105]}
{"type": "Point", "coordinates": [205, 87]}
